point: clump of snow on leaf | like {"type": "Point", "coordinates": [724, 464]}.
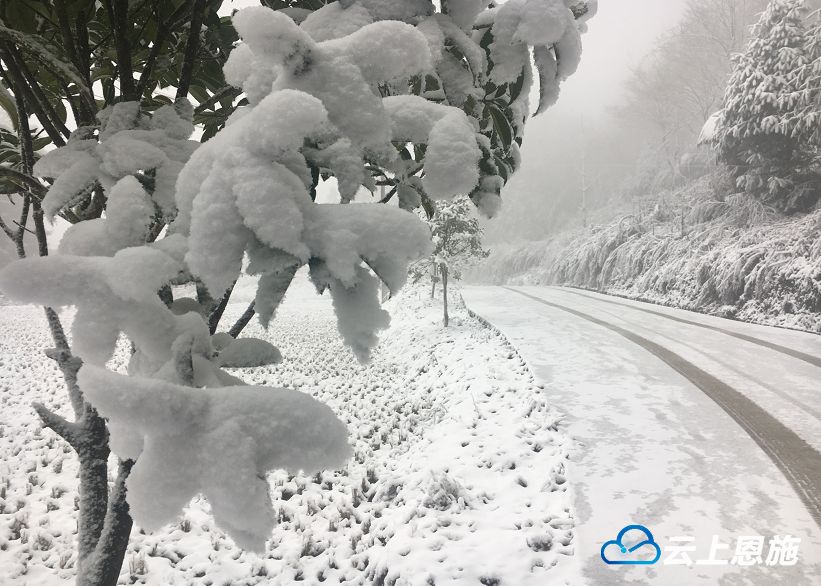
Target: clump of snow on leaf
{"type": "Point", "coordinates": [118, 295]}
{"type": "Point", "coordinates": [533, 22]}
{"type": "Point", "coordinates": [249, 352]}
{"type": "Point", "coordinates": [450, 161]}
{"type": "Point", "coordinates": [128, 216]}
{"type": "Point", "coordinates": [128, 143]}
{"type": "Point", "coordinates": [252, 181]}
{"type": "Point", "coordinates": [215, 442]}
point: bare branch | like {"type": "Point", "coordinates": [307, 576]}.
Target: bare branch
{"type": "Point", "coordinates": [107, 560]}
{"type": "Point", "coordinates": [389, 196]}
{"type": "Point", "coordinates": [68, 363]}
{"type": "Point", "coordinates": [243, 321]}
{"type": "Point", "coordinates": [65, 31]}
{"type": "Point", "coordinates": [36, 46]}
{"type": "Point", "coordinates": [65, 429]}
{"type": "Point", "coordinates": [34, 88]}
{"type": "Point", "coordinates": [8, 231]}
{"type": "Point", "coordinates": [21, 90]}
{"type": "Point", "coordinates": [216, 315]}
{"type": "Point", "coordinates": [164, 28]}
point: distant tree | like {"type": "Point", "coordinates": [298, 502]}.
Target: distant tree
{"type": "Point", "coordinates": [680, 84]}
{"type": "Point", "coordinates": [457, 241]}
{"type": "Point", "coordinates": [760, 133]}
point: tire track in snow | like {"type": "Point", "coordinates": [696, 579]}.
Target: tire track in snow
{"type": "Point", "coordinates": [774, 390]}
{"type": "Point", "coordinates": [803, 356]}
{"type": "Point", "coordinates": [798, 461]}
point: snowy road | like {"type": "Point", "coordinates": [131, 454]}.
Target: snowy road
{"type": "Point", "coordinates": [691, 425]}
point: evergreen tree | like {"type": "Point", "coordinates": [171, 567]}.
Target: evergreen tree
{"type": "Point", "coordinates": [755, 135]}
{"type": "Point", "coordinates": [806, 122]}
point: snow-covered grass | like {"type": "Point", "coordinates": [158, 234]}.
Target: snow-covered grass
{"type": "Point", "coordinates": [457, 474]}
{"type": "Point", "coordinates": [734, 258]}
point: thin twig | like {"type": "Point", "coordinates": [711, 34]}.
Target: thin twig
{"type": "Point", "coordinates": [22, 88]}
{"type": "Point", "coordinates": [216, 315]}
{"type": "Point", "coordinates": [243, 321]}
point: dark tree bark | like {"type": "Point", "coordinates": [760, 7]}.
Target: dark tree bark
{"type": "Point", "coordinates": [243, 321]}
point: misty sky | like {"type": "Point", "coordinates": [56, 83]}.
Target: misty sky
{"type": "Point", "coordinates": [620, 35]}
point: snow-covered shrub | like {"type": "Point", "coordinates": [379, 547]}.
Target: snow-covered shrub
{"type": "Point", "coordinates": [369, 92]}
{"type": "Point", "coordinates": [734, 257]}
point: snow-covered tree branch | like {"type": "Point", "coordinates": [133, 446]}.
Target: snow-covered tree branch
{"type": "Point", "coordinates": [431, 104]}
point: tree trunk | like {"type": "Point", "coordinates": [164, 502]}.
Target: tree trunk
{"type": "Point", "coordinates": [444, 272]}
{"type": "Point", "coordinates": [92, 451]}
{"type": "Point", "coordinates": [102, 567]}
{"type": "Point", "coordinates": [433, 281]}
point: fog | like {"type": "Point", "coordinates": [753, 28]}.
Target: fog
{"type": "Point", "coordinates": [540, 198]}
{"type": "Point", "coordinates": [626, 127]}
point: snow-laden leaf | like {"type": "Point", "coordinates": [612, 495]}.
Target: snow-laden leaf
{"type": "Point", "coordinates": [249, 353]}
{"type": "Point", "coordinates": [217, 442]}
{"type": "Point", "coordinates": [548, 69]}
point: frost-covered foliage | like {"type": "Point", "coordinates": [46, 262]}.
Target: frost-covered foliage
{"type": "Point", "coordinates": [216, 442]}
{"type": "Point", "coordinates": [806, 123]}
{"type": "Point", "coordinates": [367, 92]}
{"type": "Point", "coordinates": [480, 64]}
{"type": "Point", "coordinates": [736, 258]}
{"type": "Point", "coordinates": [770, 112]}
{"type": "Point", "coordinates": [457, 240]}
{"type": "Point", "coordinates": [128, 144]}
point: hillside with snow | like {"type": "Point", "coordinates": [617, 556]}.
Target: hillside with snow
{"type": "Point", "coordinates": [733, 257]}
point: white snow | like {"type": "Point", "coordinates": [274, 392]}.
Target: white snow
{"type": "Point", "coordinates": [216, 442]}
{"type": "Point", "coordinates": [708, 131]}
{"type": "Point", "coordinates": [333, 21]}
{"type": "Point", "coordinates": [249, 352]}
{"type": "Point", "coordinates": [654, 449]}
{"type": "Point", "coordinates": [451, 160]}
{"type": "Point", "coordinates": [549, 81]}
{"type": "Point", "coordinates": [464, 12]}
{"type": "Point", "coordinates": [129, 143]}
{"type": "Point", "coordinates": [446, 425]}
{"type": "Point", "coordinates": [533, 22]}
{"type": "Point", "coordinates": [128, 215]}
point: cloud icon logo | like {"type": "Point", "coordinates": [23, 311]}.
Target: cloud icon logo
{"type": "Point", "coordinates": [634, 546]}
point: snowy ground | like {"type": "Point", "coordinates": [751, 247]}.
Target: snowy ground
{"type": "Point", "coordinates": [655, 449]}
{"type": "Point", "coordinates": [458, 474]}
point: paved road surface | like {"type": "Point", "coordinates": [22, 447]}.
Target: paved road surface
{"type": "Point", "coordinates": [691, 425]}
